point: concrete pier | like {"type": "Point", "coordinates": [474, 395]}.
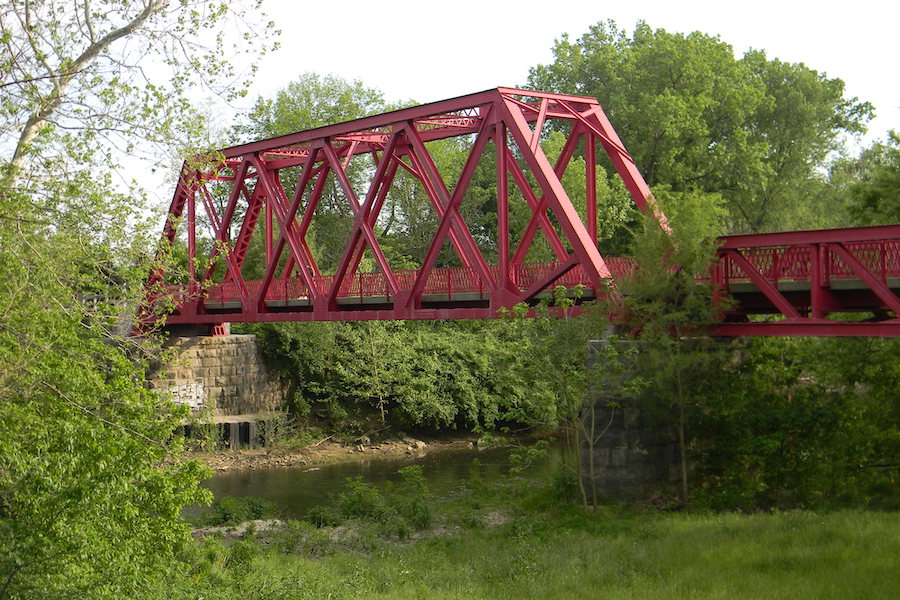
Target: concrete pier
{"type": "Point", "coordinates": [224, 379]}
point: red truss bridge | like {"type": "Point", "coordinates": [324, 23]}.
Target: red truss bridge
{"type": "Point", "coordinates": [823, 283]}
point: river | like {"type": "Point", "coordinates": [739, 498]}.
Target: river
{"type": "Point", "coordinates": [296, 490]}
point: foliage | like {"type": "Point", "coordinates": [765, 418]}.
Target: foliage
{"type": "Point", "coordinates": [549, 552]}
{"type": "Point", "coordinates": [876, 195]}
{"type": "Point", "coordinates": [311, 101]}
{"type": "Point", "coordinates": [754, 130]}
{"type": "Point", "coordinates": [783, 422]}
{"type": "Point", "coordinates": [397, 513]}
{"type": "Point", "coordinates": [430, 374]}
{"type": "Point", "coordinates": [670, 308]}
{"type": "Point", "coordinates": [233, 510]}
{"type": "Point", "coordinates": [306, 539]}
{"type": "Point", "coordinates": [799, 423]}
{"type": "Point", "coordinates": [92, 480]}
{"type": "Point", "coordinates": [76, 83]}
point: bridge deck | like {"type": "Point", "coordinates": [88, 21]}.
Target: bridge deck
{"type": "Point", "coordinates": [270, 191]}
{"type": "Point", "coordinates": [761, 280]}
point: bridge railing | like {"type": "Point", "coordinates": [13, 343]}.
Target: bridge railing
{"type": "Point", "coordinates": [795, 262]}
{"type": "Point", "coordinates": [776, 263]}
{"type": "Point", "coordinates": [444, 281]}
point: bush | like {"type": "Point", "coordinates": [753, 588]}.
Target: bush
{"type": "Point", "coordinates": [233, 510]}
{"type": "Point", "coordinates": [399, 513]}
{"type": "Point", "coordinates": [241, 556]}
{"type": "Point", "coordinates": [300, 537]}
{"type": "Point", "coordinates": [324, 516]}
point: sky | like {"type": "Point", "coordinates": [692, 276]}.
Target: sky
{"type": "Point", "coordinates": [427, 51]}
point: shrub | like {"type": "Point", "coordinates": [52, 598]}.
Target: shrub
{"type": "Point", "coordinates": [399, 513]}
{"type": "Point", "coordinates": [233, 510]}
{"type": "Point", "coordinates": [300, 537]}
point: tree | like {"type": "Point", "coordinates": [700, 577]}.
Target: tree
{"type": "Point", "coordinates": [695, 118]}
{"type": "Point", "coordinates": [876, 195]}
{"type": "Point", "coordinates": [77, 74]}
{"type": "Point", "coordinates": [92, 480]}
{"type": "Point", "coordinates": [669, 308]}
{"type": "Point", "coordinates": [801, 122]}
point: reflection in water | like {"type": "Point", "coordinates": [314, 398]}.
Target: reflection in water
{"type": "Point", "coordinates": [296, 490]}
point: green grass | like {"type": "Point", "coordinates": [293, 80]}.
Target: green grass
{"type": "Point", "coordinates": [612, 554]}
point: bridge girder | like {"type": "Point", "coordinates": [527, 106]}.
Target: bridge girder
{"type": "Point", "coordinates": [511, 120]}
{"type": "Point", "coordinates": [790, 283]}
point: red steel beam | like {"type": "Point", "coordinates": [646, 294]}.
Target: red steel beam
{"type": "Point", "coordinates": [805, 278]}
{"type": "Point", "coordinates": [816, 236]}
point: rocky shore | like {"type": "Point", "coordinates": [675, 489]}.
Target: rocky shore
{"type": "Point", "coordinates": [328, 451]}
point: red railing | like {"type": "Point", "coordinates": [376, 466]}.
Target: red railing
{"type": "Point", "coordinates": [793, 263]}
{"type": "Point", "coordinates": [781, 263]}
{"type": "Point", "coordinates": [441, 282]}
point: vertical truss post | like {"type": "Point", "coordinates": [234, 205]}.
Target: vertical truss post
{"type": "Point", "coordinates": [192, 238]}
{"type": "Point", "coordinates": [502, 206]}
{"type": "Point", "coordinates": [816, 284]}
{"type": "Point", "coordinates": [590, 166]}
{"type": "Point", "coordinates": [268, 231]}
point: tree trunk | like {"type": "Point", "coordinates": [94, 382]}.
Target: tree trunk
{"type": "Point", "coordinates": [49, 105]}
{"type": "Point", "coordinates": [591, 440]}
{"type": "Point", "coordinates": [576, 422]}
{"type": "Point", "coordinates": [7, 583]}
{"type": "Point", "coordinates": [681, 441]}
{"type": "Point", "coordinates": [683, 452]}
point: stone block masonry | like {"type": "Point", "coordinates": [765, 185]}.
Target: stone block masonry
{"type": "Point", "coordinates": [635, 457]}
{"type": "Point", "coordinates": [225, 375]}
{"type": "Point", "coordinates": [634, 452]}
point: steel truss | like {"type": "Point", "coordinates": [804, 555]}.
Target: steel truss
{"type": "Point", "coordinates": [509, 119]}
{"type": "Point", "coordinates": [781, 284]}
{"type": "Point", "coordinates": [800, 278]}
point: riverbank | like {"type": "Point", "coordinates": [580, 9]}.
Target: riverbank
{"type": "Point", "coordinates": [522, 539]}
{"type": "Point", "coordinates": [562, 553]}
{"type": "Point", "coordinates": [328, 451]}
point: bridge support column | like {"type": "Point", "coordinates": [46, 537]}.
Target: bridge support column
{"type": "Point", "coordinates": [628, 450]}
{"type": "Point", "coordinates": [253, 433]}
{"type": "Point", "coordinates": [635, 457]}
{"type": "Point", "coordinates": [234, 435]}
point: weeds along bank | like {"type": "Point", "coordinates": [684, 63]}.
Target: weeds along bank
{"type": "Point", "coordinates": [528, 540]}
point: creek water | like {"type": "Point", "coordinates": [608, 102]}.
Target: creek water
{"type": "Point", "coordinates": [296, 490]}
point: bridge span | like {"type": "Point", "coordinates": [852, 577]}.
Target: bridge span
{"type": "Point", "coordinates": [822, 283]}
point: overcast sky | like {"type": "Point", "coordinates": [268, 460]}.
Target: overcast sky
{"type": "Point", "coordinates": [426, 51]}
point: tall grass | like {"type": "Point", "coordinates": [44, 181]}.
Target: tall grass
{"type": "Point", "coordinates": [612, 554]}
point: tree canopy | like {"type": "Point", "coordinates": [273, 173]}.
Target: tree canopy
{"type": "Point", "coordinates": [755, 130]}
{"type": "Point", "coordinates": [92, 480]}
{"type": "Point", "coordinates": [876, 194]}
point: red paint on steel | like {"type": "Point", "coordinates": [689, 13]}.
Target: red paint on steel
{"type": "Point", "coordinates": [796, 279]}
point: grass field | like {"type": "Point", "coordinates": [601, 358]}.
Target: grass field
{"type": "Point", "coordinates": [495, 547]}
